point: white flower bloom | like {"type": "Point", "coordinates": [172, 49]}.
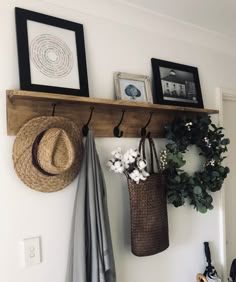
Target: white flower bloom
{"type": "Point", "coordinates": [212, 162]}
{"type": "Point", "coordinates": [128, 158]}
{"type": "Point", "coordinates": [131, 159]}
{"type": "Point", "coordinates": [112, 168]}
{"type": "Point", "coordinates": [134, 153]}
{"type": "Point", "coordinates": [131, 164]}
{"type": "Point", "coordinates": [120, 169]}
{"type": "Point", "coordinates": [110, 163]}
{"type": "Point", "coordinates": [145, 173]}
{"type": "Point", "coordinates": [117, 153]}
{"type": "Point", "coordinates": [117, 150]}
{"type": "Point", "coordinates": [118, 156]}
{"type": "Point", "coordinates": [135, 175]}
{"type": "Point", "coordinates": [131, 175]}
{"type": "Point", "coordinates": [141, 164]}
{"type": "Point", "coordinates": [142, 177]}
{"type": "Point", "coordinates": [136, 172]}
{"type": "Point", "coordinates": [117, 166]}
{"type": "Point", "coordinates": [207, 141]}
{"type": "Point", "coordinates": [126, 165]}
{"type": "Point", "coordinates": [188, 124]}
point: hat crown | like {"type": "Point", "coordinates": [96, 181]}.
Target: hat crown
{"type": "Point", "coordinates": [55, 152]}
{"type": "Point", "coordinates": [30, 164]}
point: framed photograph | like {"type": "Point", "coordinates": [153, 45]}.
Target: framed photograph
{"type": "Point", "coordinates": [133, 87]}
{"type": "Point", "coordinates": [51, 54]}
{"type": "Point", "coordinates": [176, 84]}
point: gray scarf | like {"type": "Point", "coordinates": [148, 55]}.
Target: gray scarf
{"type": "Point", "coordinates": [90, 254]}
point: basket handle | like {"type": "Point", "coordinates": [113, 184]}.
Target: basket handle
{"type": "Point", "coordinates": [153, 152]}
{"type": "Point", "coordinates": [141, 147]}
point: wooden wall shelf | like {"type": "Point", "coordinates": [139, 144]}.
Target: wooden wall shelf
{"type": "Point", "coordinates": [24, 105]}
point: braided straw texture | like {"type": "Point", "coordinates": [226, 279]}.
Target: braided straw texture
{"type": "Point", "coordinates": [56, 151]}
{"type": "Point", "coordinates": [22, 153]}
{"type": "Point", "coordinates": [149, 221]}
{"type": "Point", "coordinates": [148, 208]}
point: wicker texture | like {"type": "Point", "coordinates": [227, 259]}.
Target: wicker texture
{"type": "Point", "coordinates": [55, 151]}
{"type": "Point", "coordinates": [64, 146]}
{"type": "Point", "coordinates": [148, 207]}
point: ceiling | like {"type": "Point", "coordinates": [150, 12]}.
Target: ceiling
{"type": "Point", "coordinates": [214, 15]}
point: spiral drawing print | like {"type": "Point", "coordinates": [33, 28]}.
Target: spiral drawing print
{"type": "Point", "coordinates": [51, 56]}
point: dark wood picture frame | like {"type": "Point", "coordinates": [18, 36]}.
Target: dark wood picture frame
{"type": "Point", "coordinates": [176, 84]}
{"type": "Point", "coordinates": [22, 17]}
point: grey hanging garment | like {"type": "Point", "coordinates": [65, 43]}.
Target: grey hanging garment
{"type": "Point", "coordinates": [90, 255]}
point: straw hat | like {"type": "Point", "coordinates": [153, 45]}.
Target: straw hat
{"type": "Point", "coordinates": [47, 153]}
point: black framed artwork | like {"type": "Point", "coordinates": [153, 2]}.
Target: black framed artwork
{"type": "Point", "coordinates": [51, 54]}
{"type": "Point", "coordinates": [176, 84]}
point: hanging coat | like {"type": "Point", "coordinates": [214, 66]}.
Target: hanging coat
{"type": "Point", "coordinates": [90, 255]}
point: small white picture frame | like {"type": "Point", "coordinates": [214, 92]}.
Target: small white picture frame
{"type": "Point", "coordinates": [133, 87]}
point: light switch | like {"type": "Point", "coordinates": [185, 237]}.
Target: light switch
{"type": "Point", "coordinates": [32, 248]}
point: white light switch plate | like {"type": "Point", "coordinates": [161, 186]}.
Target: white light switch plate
{"type": "Point", "coordinates": [32, 247]}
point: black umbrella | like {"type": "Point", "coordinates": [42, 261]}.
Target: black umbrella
{"type": "Point", "coordinates": [232, 274]}
{"type": "Point", "coordinates": [210, 271]}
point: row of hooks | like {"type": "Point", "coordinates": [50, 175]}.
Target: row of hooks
{"type": "Point", "coordinates": [116, 131]}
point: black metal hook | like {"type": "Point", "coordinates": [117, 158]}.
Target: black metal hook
{"type": "Point", "coordinates": [85, 128]}
{"type": "Point", "coordinates": [53, 108]}
{"type": "Point", "coordinates": [116, 130]}
{"type": "Point", "coordinates": [143, 129]}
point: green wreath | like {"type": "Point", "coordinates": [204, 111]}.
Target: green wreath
{"type": "Point", "coordinates": [199, 131]}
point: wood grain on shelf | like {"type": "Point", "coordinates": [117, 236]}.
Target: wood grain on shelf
{"type": "Point", "coordinates": [24, 105]}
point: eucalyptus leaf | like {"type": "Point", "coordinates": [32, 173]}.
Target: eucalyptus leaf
{"type": "Point", "coordinates": [227, 170]}
{"type": "Point", "coordinates": [179, 155]}
{"type": "Point", "coordinates": [177, 179]}
{"type": "Point", "coordinates": [202, 209]}
{"type": "Point", "coordinates": [197, 190]}
{"type": "Point", "coordinates": [215, 173]}
{"type": "Point", "coordinates": [172, 198]}
{"type": "Point", "coordinates": [225, 141]}
{"type": "Point", "coordinates": [221, 169]}
{"type": "Point", "coordinates": [212, 144]}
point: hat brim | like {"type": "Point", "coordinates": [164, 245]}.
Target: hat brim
{"type": "Point", "coordinates": [22, 154]}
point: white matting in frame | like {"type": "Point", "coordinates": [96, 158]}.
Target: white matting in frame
{"type": "Point", "coordinates": [53, 55]}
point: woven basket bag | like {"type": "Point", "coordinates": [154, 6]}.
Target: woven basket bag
{"type": "Point", "coordinates": [148, 208]}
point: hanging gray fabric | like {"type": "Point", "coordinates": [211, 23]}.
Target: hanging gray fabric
{"type": "Point", "coordinates": [90, 255]}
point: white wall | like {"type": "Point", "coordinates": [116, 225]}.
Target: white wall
{"type": "Point", "coordinates": [117, 38]}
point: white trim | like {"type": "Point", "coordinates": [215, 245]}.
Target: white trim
{"type": "Point", "coordinates": [223, 94]}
